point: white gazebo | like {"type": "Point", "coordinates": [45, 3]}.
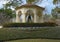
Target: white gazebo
{"type": "Point", "coordinates": [29, 14]}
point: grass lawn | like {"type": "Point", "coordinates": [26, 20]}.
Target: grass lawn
{"type": "Point", "coordinates": [35, 40]}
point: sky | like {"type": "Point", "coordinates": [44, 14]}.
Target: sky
{"type": "Point", "coordinates": [47, 4]}
{"type": "Point", "coordinates": [2, 2]}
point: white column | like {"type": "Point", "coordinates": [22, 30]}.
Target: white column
{"type": "Point", "coordinates": [23, 18]}
{"type": "Point", "coordinates": [17, 17]}
{"type": "Point", "coordinates": [35, 17]}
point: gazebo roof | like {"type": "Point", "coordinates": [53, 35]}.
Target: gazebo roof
{"type": "Point", "coordinates": [29, 6]}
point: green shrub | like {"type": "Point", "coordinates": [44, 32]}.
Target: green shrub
{"type": "Point", "coordinates": [29, 24]}
{"type": "Point", "coordinates": [17, 33]}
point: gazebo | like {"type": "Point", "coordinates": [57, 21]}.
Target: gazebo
{"type": "Point", "coordinates": [29, 13]}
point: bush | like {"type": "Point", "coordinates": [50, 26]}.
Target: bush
{"type": "Point", "coordinates": [17, 33]}
{"type": "Point", "coordinates": [29, 24]}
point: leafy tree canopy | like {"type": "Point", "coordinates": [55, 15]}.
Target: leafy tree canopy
{"type": "Point", "coordinates": [54, 1]}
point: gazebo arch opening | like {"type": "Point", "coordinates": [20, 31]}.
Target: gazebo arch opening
{"type": "Point", "coordinates": [29, 16]}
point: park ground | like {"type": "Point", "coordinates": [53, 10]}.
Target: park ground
{"type": "Point", "coordinates": [35, 40]}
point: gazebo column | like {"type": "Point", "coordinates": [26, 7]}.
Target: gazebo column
{"type": "Point", "coordinates": [23, 20]}
{"type": "Point", "coordinates": [35, 17]}
{"type": "Point", "coordinates": [17, 17]}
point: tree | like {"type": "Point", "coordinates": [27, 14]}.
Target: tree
{"type": "Point", "coordinates": [32, 1]}
{"type": "Point", "coordinates": [54, 13]}
{"type": "Point", "coordinates": [16, 3]}
{"type": "Point", "coordinates": [54, 1]}
{"type": "Point", "coordinates": [13, 3]}
{"type": "Point", "coordinates": [5, 15]}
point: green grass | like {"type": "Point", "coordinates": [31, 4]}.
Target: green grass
{"type": "Point", "coordinates": [35, 40]}
{"type": "Point", "coordinates": [38, 33]}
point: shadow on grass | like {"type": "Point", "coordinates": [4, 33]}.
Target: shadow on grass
{"type": "Point", "coordinates": [1, 40]}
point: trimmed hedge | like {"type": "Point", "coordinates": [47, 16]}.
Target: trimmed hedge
{"type": "Point", "coordinates": [17, 33]}
{"type": "Point", "coordinates": [29, 24]}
